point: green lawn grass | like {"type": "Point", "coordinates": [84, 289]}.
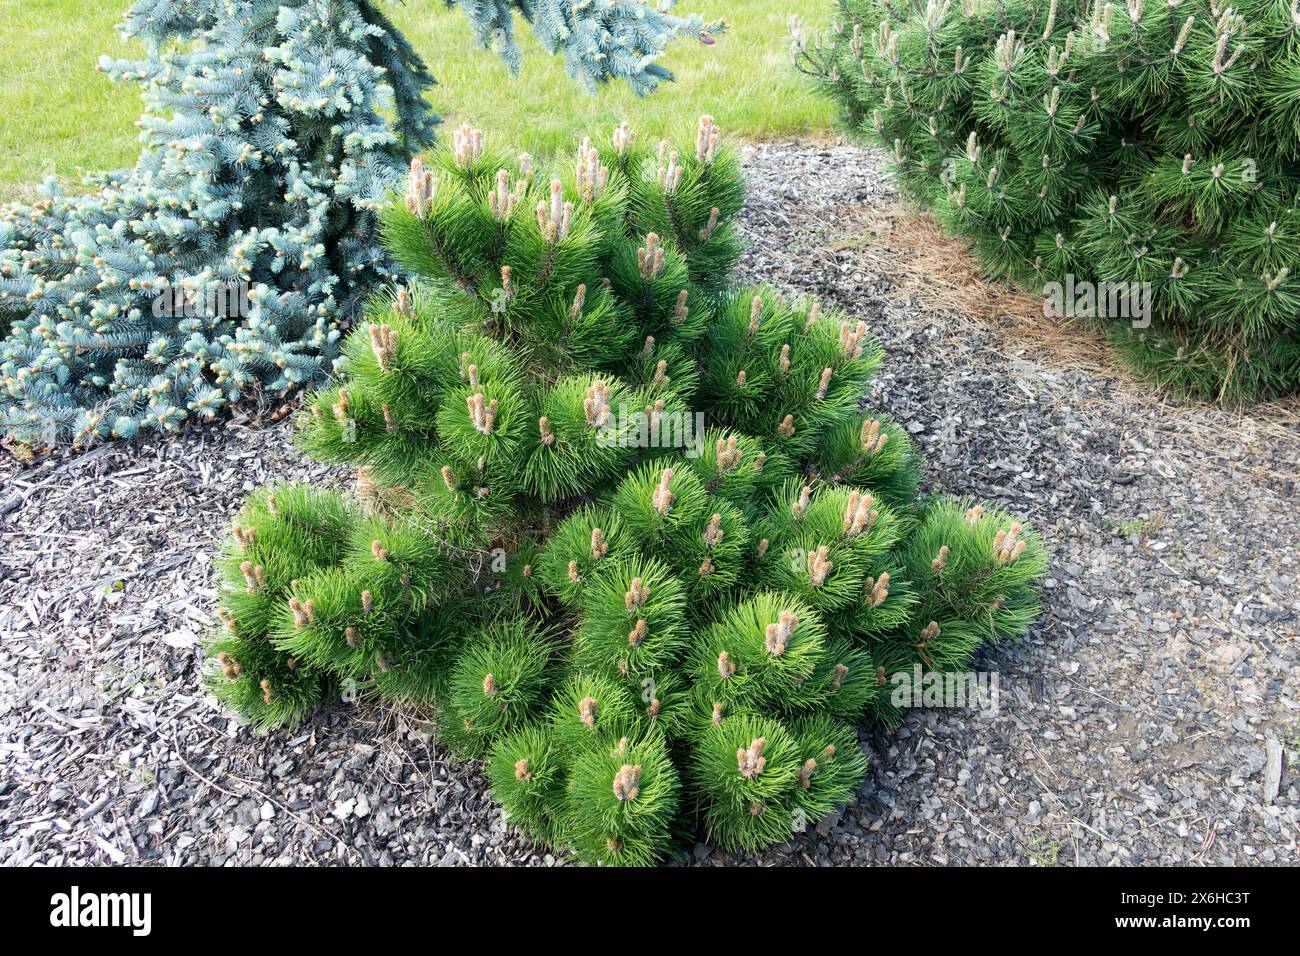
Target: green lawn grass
{"type": "Point", "coordinates": [59, 115]}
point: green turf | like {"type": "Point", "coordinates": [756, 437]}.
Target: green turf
{"type": "Point", "coordinates": [60, 115]}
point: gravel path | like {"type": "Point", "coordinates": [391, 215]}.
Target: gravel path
{"type": "Point", "coordinates": [1139, 722]}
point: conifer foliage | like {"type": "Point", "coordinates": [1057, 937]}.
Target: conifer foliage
{"type": "Point", "coordinates": [245, 236]}
{"type": "Point", "coordinates": [624, 527]}
{"type": "Point", "coordinates": [1153, 147]}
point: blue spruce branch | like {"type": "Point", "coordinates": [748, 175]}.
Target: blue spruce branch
{"type": "Point", "coordinates": [272, 133]}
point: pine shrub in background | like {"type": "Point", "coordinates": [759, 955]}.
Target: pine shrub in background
{"type": "Point", "coordinates": [1150, 145]}
{"type": "Point", "coordinates": [229, 257]}
{"type": "Point", "coordinates": [624, 529]}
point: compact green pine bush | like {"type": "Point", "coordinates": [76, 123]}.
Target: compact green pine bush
{"type": "Point", "coordinates": [625, 529]}
{"type": "Point", "coordinates": [1144, 153]}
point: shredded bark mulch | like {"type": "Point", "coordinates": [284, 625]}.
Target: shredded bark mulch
{"type": "Point", "coordinates": [1152, 715]}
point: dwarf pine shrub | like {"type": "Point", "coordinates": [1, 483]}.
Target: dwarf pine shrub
{"type": "Point", "coordinates": [1138, 162]}
{"type": "Point", "coordinates": [228, 258]}
{"type": "Point", "coordinates": [624, 527]}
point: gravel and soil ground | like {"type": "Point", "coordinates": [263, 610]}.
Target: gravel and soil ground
{"type": "Point", "coordinates": [1141, 721]}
